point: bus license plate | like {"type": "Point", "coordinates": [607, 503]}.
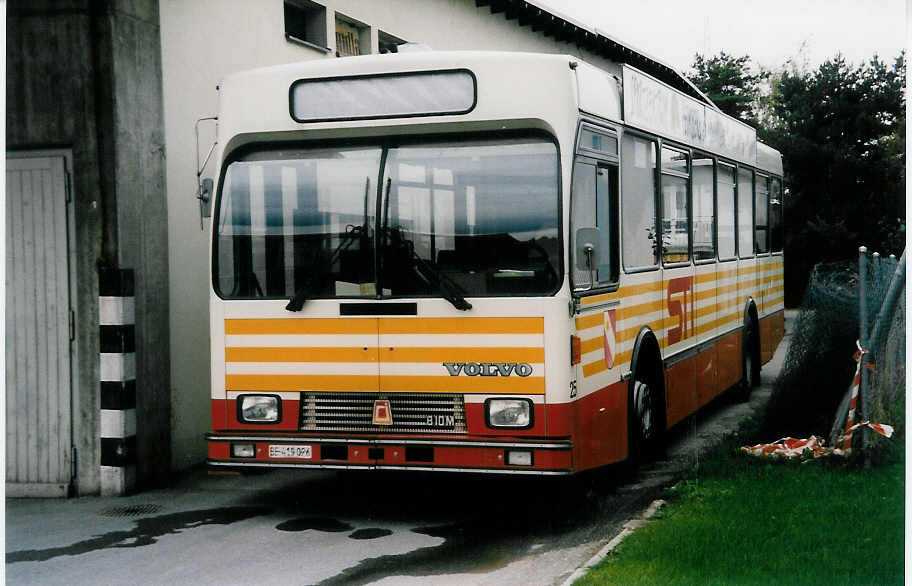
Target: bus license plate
{"type": "Point", "coordinates": [295, 452]}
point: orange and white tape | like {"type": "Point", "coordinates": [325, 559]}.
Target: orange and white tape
{"type": "Point", "coordinates": [789, 447]}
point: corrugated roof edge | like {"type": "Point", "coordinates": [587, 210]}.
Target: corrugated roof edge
{"type": "Point", "coordinates": [563, 28]}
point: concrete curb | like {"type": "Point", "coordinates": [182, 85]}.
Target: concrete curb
{"type": "Point", "coordinates": [628, 527]}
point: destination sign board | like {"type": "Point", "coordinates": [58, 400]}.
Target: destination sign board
{"type": "Point", "coordinates": [651, 105]}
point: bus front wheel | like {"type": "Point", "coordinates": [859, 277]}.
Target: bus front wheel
{"type": "Point", "coordinates": [646, 427]}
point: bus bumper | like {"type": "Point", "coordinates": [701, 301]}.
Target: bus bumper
{"type": "Point", "coordinates": [250, 450]}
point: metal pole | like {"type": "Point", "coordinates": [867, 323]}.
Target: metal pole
{"type": "Point", "coordinates": [875, 274]}
{"type": "Point", "coordinates": [897, 284]}
{"type": "Point", "coordinates": [863, 339]}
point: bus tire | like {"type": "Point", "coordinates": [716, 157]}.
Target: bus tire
{"type": "Point", "coordinates": [750, 362]}
{"type": "Point", "coordinates": [646, 408]}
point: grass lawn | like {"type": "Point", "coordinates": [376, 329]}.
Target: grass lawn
{"type": "Point", "coordinates": [741, 520]}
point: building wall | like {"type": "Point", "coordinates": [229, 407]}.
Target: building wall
{"type": "Point", "coordinates": [204, 40]}
{"type": "Point", "coordinates": [41, 47]}
{"type": "Point", "coordinates": [84, 75]}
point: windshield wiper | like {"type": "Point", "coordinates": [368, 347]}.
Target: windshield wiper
{"type": "Point", "coordinates": [298, 299]}
{"type": "Point", "coordinates": [448, 289]}
{"type": "Point", "coordinates": [351, 234]}
{"type": "Point", "coordinates": [437, 280]}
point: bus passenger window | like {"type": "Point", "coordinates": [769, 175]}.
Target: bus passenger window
{"type": "Point", "coordinates": [761, 200]}
{"type": "Point", "coordinates": [638, 202]}
{"type": "Point", "coordinates": [594, 197]}
{"type": "Point", "coordinates": [675, 228]}
{"type": "Point", "coordinates": [776, 216]}
{"type": "Point", "coordinates": [725, 186]}
{"type": "Point", "coordinates": [745, 213]}
{"type": "Point", "coordinates": [703, 208]}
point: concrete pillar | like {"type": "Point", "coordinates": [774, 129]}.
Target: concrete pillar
{"type": "Point", "coordinates": [130, 28]}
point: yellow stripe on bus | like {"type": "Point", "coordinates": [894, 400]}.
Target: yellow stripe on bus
{"type": "Point", "coordinates": [531, 385]}
{"type": "Point", "coordinates": [640, 309]}
{"type": "Point", "coordinates": [590, 321]}
{"type": "Point", "coordinates": [330, 325]}
{"type": "Point", "coordinates": [462, 325]}
{"type": "Point", "coordinates": [631, 332]}
{"type": "Point", "coordinates": [300, 382]}
{"type": "Point", "coordinates": [705, 277]}
{"type": "Point", "coordinates": [626, 291]}
{"type": "Point", "coordinates": [291, 354]}
{"type": "Point", "coordinates": [594, 367]}
{"type": "Point", "coordinates": [458, 354]}
{"type": "Point", "coordinates": [592, 344]}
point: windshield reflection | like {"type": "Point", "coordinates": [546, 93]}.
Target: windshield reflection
{"type": "Point", "coordinates": [456, 219]}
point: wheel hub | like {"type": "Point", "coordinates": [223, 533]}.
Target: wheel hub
{"type": "Point", "coordinates": [642, 397]}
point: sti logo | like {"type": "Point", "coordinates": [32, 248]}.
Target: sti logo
{"type": "Point", "coordinates": [488, 368]}
{"type": "Point", "coordinates": [680, 302]}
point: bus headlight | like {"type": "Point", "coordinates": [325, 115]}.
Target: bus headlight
{"type": "Point", "coordinates": [509, 413]}
{"type": "Point", "coordinates": [258, 408]}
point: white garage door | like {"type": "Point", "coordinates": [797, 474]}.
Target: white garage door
{"type": "Point", "coordinates": [38, 338]}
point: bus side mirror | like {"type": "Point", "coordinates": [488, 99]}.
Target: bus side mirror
{"type": "Point", "coordinates": [588, 249]}
{"type": "Point", "coordinates": [205, 197]}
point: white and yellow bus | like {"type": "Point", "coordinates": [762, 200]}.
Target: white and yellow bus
{"type": "Point", "coordinates": [480, 262]}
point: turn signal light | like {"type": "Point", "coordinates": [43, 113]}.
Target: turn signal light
{"type": "Point", "coordinates": [575, 350]}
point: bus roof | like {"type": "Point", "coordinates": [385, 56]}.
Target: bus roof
{"type": "Point", "coordinates": [533, 89]}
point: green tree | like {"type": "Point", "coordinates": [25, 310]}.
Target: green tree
{"type": "Point", "coordinates": [841, 131]}
{"type": "Point", "coordinates": [729, 82]}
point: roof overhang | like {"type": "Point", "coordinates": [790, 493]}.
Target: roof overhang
{"type": "Point", "coordinates": [565, 29]}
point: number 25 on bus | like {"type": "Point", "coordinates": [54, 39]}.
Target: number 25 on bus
{"type": "Point", "coordinates": [424, 261]}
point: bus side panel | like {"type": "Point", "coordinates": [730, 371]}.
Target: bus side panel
{"type": "Point", "coordinates": [600, 434]}
{"type": "Point", "coordinates": [729, 350]}
{"type": "Point", "coordinates": [560, 419]}
{"type": "Point", "coordinates": [707, 367]}
{"type": "Point", "coordinates": [680, 390]}
{"type": "Point", "coordinates": [772, 329]}
{"type": "Point", "coordinates": [219, 414]}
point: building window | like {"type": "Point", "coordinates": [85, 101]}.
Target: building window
{"type": "Point", "coordinates": [352, 37]}
{"type": "Point", "coordinates": [305, 23]}
{"type": "Point", "coordinates": [387, 43]}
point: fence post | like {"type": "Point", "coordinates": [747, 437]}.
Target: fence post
{"type": "Point", "coordinates": [871, 335]}
{"type": "Point", "coordinates": [863, 340]}
{"type": "Point", "coordinates": [897, 284]}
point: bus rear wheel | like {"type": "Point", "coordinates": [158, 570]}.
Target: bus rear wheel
{"type": "Point", "coordinates": [750, 365]}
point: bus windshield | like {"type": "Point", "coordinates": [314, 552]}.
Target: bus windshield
{"type": "Point", "coordinates": [453, 219]}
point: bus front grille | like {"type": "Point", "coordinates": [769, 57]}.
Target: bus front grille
{"type": "Point", "coordinates": [410, 412]}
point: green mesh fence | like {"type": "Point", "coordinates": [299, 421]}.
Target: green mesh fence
{"type": "Point", "coordinates": [819, 366]}
{"type": "Point", "coordinates": [888, 379]}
